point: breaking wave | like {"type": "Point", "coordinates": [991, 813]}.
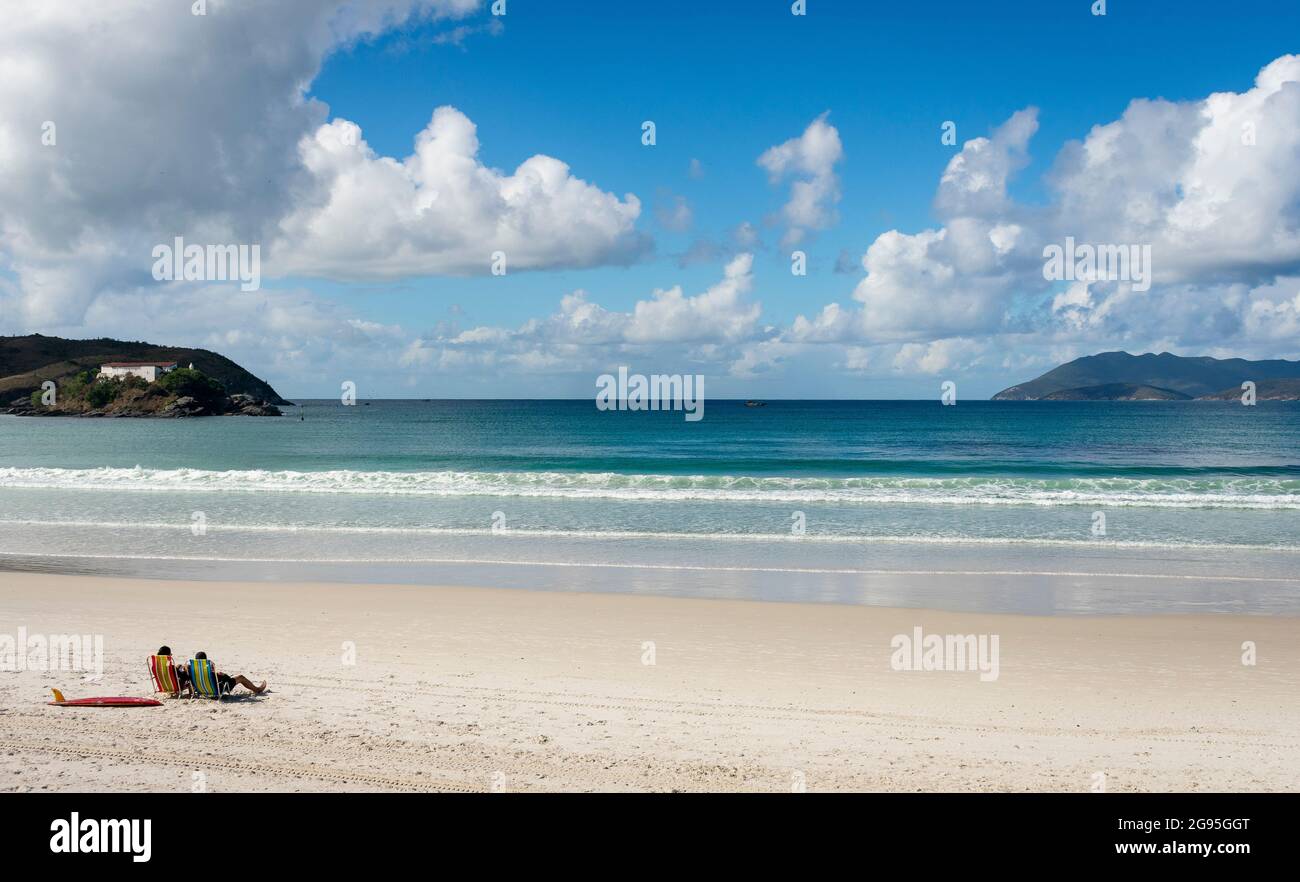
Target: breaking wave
{"type": "Point", "coordinates": [1241, 492]}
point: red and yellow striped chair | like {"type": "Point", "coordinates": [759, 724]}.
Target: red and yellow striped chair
{"type": "Point", "coordinates": [164, 676]}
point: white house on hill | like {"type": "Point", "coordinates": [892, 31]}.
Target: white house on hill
{"type": "Point", "coordinates": [148, 370]}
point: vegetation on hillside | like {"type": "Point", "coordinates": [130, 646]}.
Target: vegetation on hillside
{"type": "Point", "coordinates": [28, 361]}
{"type": "Point", "coordinates": [1119, 376]}
{"type": "Point", "coordinates": [181, 392]}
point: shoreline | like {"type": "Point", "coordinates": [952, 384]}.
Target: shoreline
{"type": "Point", "coordinates": [470, 689]}
{"type": "Point", "coordinates": [1106, 585]}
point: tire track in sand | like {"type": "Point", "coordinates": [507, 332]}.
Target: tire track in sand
{"type": "Point", "coordinates": [252, 768]}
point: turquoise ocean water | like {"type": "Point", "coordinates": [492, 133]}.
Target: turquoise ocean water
{"type": "Point", "coordinates": [999, 503]}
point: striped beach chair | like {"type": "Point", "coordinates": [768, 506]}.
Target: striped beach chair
{"type": "Point", "coordinates": [164, 676]}
{"type": "Point", "coordinates": [203, 678]}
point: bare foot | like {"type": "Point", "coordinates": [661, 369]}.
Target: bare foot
{"type": "Point", "coordinates": [260, 689]}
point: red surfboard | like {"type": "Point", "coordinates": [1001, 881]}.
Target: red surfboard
{"type": "Point", "coordinates": [111, 701]}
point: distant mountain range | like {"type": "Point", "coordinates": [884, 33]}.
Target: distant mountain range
{"type": "Point", "coordinates": [26, 362]}
{"type": "Point", "coordinates": [1119, 376]}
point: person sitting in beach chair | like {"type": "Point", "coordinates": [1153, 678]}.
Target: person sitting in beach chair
{"type": "Point", "coordinates": [207, 681]}
{"type": "Point", "coordinates": [167, 678]}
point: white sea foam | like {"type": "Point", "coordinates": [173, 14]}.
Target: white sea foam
{"type": "Point", "coordinates": [1167, 492]}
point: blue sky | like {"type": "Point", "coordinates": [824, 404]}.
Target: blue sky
{"type": "Point", "coordinates": [724, 82]}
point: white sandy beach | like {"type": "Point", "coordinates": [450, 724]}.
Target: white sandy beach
{"type": "Point", "coordinates": [471, 689]}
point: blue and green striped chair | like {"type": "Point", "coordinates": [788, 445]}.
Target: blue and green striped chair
{"type": "Point", "coordinates": [203, 678]}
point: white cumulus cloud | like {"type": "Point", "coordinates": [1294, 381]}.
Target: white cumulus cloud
{"type": "Point", "coordinates": [810, 159]}
{"type": "Point", "coordinates": [1211, 186]}
{"type": "Point", "coordinates": [125, 124]}
{"type": "Point", "coordinates": [440, 210]}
